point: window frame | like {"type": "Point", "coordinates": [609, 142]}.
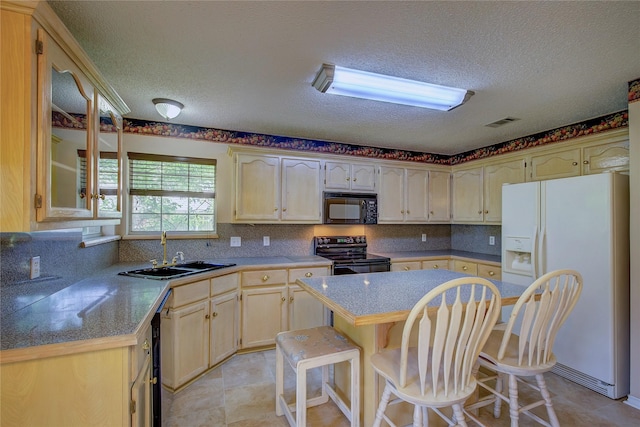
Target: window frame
{"type": "Point", "coordinates": [132, 156]}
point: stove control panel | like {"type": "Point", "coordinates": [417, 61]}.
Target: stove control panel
{"type": "Point", "coordinates": [340, 240]}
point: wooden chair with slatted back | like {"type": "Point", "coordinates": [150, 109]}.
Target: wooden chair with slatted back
{"type": "Point", "coordinates": [523, 346]}
{"type": "Point", "coordinates": [438, 373]}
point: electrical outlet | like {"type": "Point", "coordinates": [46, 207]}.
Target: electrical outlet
{"type": "Point", "coordinates": [236, 242]}
{"type": "Point", "coordinates": [35, 267]}
{"type": "Point", "coordinates": [492, 240]}
{"type": "Point", "coordinates": [424, 237]}
{"type": "Point", "coordinates": [266, 241]}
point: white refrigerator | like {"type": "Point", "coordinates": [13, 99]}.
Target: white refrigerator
{"type": "Point", "coordinates": [579, 223]}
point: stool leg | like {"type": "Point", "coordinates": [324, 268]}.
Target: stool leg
{"type": "Point", "coordinates": [279, 379]}
{"type": "Point", "coordinates": [355, 391]}
{"type": "Point", "coordinates": [301, 396]}
{"type": "Point", "coordinates": [325, 383]}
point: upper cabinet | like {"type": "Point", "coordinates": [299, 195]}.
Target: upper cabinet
{"type": "Point", "coordinates": [274, 189]}
{"type": "Point", "coordinates": [439, 194]}
{"type": "Point", "coordinates": [349, 176]}
{"type": "Point", "coordinates": [65, 126]}
{"type": "Point", "coordinates": [402, 195]}
{"type": "Point", "coordinates": [477, 192]}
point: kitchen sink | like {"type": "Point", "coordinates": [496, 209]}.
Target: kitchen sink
{"type": "Point", "coordinates": [174, 271]}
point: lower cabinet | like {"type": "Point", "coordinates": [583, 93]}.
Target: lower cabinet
{"type": "Point", "coordinates": [199, 328]}
{"type": "Point", "coordinates": [488, 271]}
{"type": "Point", "coordinates": [431, 264]}
{"type": "Point", "coordinates": [264, 314]}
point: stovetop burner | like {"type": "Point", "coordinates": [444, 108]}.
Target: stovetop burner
{"type": "Point", "coordinates": [345, 249]}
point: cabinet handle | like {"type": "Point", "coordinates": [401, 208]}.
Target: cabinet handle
{"type": "Point", "coordinates": [206, 316]}
{"type": "Point", "coordinates": [283, 299]}
{"type": "Point", "coordinates": [464, 267]}
{"type": "Point", "coordinates": [575, 163]}
{"type": "Point", "coordinates": [406, 268]}
{"type": "Point", "coordinates": [82, 195]}
{"type": "Point", "coordinates": [486, 212]}
{"type": "Point", "coordinates": [408, 212]}
{"type": "Point", "coordinates": [275, 209]}
{"type": "Point", "coordinates": [491, 273]}
{"type": "Point", "coordinates": [435, 266]}
{"type": "Point", "coordinates": [153, 380]}
{"type": "Point", "coordinates": [146, 345]}
{"type": "Point", "coordinates": [99, 196]}
{"type": "Point", "coordinates": [479, 212]}
{"type": "Point", "coordinates": [355, 179]}
{"type": "Point", "coordinates": [290, 299]}
{"type": "Point", "coordinates": [431, 212]}
{"type": "Point", "coordinates": [347, 178]}
{"type": "Point", "coordinates": [284, 209]}
{"type": "Point", "coordinates": [265, 278]}
{"type": "Point", "coordinates": [309, 274]}
{"type": "Point", "coordinates": [215, 314]}
{"type": "Point", "coordinates": [402, 211]}
{"type": "Point", "coordinates": [586, 162]}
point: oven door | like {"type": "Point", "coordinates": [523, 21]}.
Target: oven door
{"type": "Point", "coordinates": [357, 268]}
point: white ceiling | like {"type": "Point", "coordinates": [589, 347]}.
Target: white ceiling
{"type": "Point", "coordinates": [248, 65]}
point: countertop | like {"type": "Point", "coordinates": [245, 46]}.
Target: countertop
{"type": "Point", "coordinates": [105, 308]}
{"type": "Point", "coordinates": [400, 256]}
{"type": "Point", "coordinates": [367, 299]}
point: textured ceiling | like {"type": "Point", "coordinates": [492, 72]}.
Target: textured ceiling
{"type": "Point", "coordinates": [248, 66]}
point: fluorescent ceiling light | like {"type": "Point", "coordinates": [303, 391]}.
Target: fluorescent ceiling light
{"type": "Point", "coordinates": [168, 108]}
{"type": "Point", "coordinates": [362, 84]}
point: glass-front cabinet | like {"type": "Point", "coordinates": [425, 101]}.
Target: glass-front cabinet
{"type": "Point", "coordinates": [79, 142]}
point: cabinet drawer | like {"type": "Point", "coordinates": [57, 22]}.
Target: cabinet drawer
{"type": "Point", "coordinates": [300, 273]}
{"type": "Point", "coordinates": [489, 271]}
{"type": "Point", "coordinates": [465, 267]}
{"type": "Point", "coordinates": [406, 266]}
{"type": "Point", "coordinates": [436, 264]}
{"type": "Point", "coordinates": [189, 293]}
{"type": "Point", "coordinates": [264, 277]}
{"type": "Point", "coordinates": [222, 284]}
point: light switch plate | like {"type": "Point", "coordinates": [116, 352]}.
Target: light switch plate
{"type": "Point", "coordinates": [235, 242]}
{"type": "Point", "coordinates": [492, 240]}
{"type": "Point", "coordinates": [35, 267]}
{"type": "Point", "coordinates": [266, 241]}
{"type": "Point", "coordinates": [424, 237]}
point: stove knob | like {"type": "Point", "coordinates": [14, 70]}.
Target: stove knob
{"type": "Point", "coordinates": [363, 239]}
{"type": "Point", "coordinates": [326, 240]}
{"type": "Point", "coordinates": [358, 239]}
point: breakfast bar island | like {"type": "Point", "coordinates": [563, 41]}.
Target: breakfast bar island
{"type": "Point", "coordinates": [371, 309]}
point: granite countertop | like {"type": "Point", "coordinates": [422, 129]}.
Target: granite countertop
{"type": "Point", "coordinates": [105, 306]}
{"type": "Point", "coordinates": [409, 255]}
{"type": "Point", "coordinates": [366, 299]}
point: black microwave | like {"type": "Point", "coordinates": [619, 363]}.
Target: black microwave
{"type": "Point", "coordinates": [350, 208]}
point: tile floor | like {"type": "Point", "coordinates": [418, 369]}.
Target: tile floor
{"type": "Point", "coordinates": [241, 393]}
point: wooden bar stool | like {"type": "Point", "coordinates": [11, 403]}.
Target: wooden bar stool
{"type": "Point", "coordinates": [311, 348]}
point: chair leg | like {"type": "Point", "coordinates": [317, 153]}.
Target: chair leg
{"type": "Point", "coordinates": [279, 379]}
{"type": "Point", "coordinates": [513, 400]}
{"type": "Point", "coordinates": [425, 416]}
{"type": "Point", "coordinates": [382, 406]}
{"type": "Point", "coordinates": [301, 397]}
{"type": "Point", "coordinates": [458, 415]}
{"type": "Point", "coordinates": [542, 384]}
{"type": "Point", "coordinates": [497, 407]}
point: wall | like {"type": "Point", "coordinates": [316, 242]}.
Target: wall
{"type": "Point", "coordinates": [634, 190]}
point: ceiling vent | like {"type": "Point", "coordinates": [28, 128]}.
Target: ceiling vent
{"type": "Point", "coordinates": [502, 122]}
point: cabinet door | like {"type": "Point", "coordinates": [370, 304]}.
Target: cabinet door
{"type": "Point", "coordinates": [363, 177]}
{"type": "Point", "coordinates": [605, 157]}
{"type": "Point", "coordinates": [391, 195]}
{"type": "Point", "coordinates": [264, 314]}
{"type": "Point", "coordinates": [305, 311]}
{"type": "Point", "coordinates": [108, 191]}
{"type": "Point", "coordinates": [65, 152]}
{"type": "Point", "coordinates": [337, 176]}
{"type": "Point", "coordinates": [560, 164]}
{"type": "Point", "coordinates": [406, 266]}
{"type": "Point", "coordinates": [300, 190]}
{"type": "Point", "coordinates": [257, 188]}
{"type": "Point", "coordinates": [439, 193]}
{"type": "Point", "coordinates": [415, 195]}
{"type": "Point", "coordinates": [189, 342]}
{"type": "Point", "coordinates": [141, 406]}
{"type": "Point", "coordinates": [224, 327]}
{"type": "Point", "coordinates": [495, 176]}
{"type": "Point", "coordinates": [467, 195]}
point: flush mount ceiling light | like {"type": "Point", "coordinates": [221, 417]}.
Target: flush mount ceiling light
{"type": "Point", "coordinates": [378, 87]}
{"type": "Point", "coordinates": [168, 108]}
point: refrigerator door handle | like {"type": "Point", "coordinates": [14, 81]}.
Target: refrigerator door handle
{"type": "Point", "coordinates": [541, 254]}
{"type": "Point", "coordinates": [534, 254]}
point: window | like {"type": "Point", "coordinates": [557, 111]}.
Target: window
{"type": "Point", "coordinates": [171, 194]}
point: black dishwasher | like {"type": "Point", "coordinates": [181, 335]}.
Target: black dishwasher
{"type": "Point", "coordinates": [155, 361]}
